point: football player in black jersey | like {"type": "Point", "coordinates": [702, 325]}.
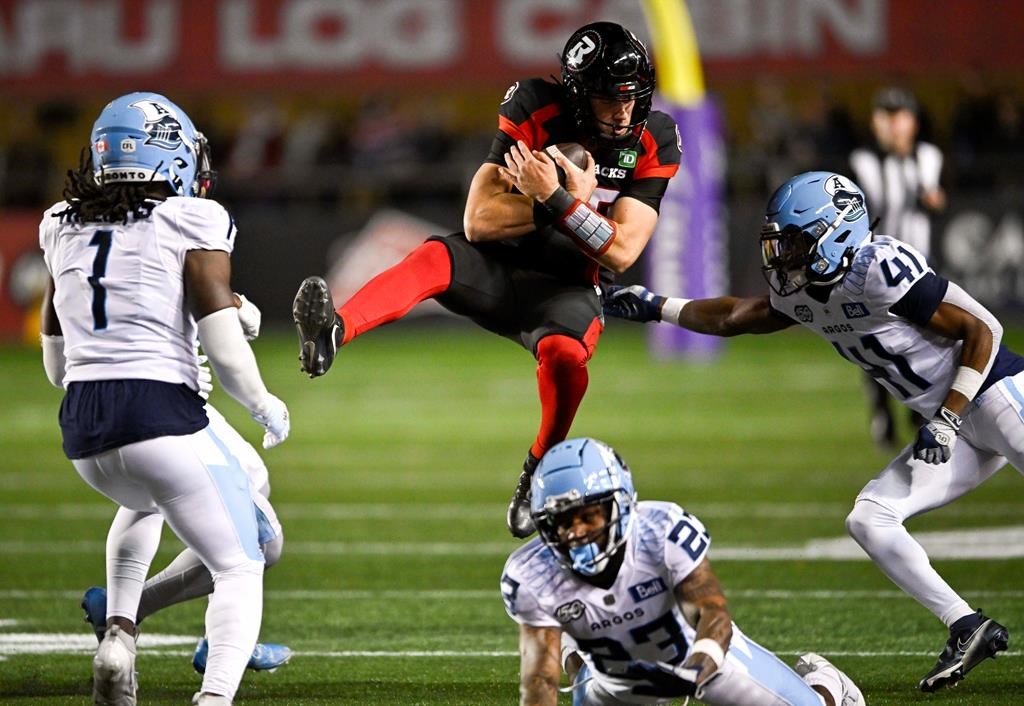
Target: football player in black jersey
{"type": "Point", "coordinates": [533, 253]}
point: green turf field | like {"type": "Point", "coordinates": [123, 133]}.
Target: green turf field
{"type": "Point", "coordinates": [392, 490]}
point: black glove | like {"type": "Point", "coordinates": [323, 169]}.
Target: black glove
{"type": "Point", "coordinates": [633, 303]}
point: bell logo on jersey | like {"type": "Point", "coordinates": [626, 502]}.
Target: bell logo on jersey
{"type": "Point", "coordinates": [855, 310]}
{"type": "Point", "coordinates": [568, 612]}
{"type": "Point", "coordinates": [647, 589]}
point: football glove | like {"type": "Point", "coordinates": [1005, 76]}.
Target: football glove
{"type": "Point", "coordinates": [205, 378]}
{"type": "Point", "coordinates": [666, 680]}
{"type": "Point", "coordinates": [250, 316]}
{"type": "Point", "coordinates": [273, 415]}
{"type": "Point", "coordinates": [634, 303]}
{"type": "Point", "coordinates": [935, 440]}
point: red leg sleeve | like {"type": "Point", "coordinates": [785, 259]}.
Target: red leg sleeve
{"type": "Point", "coordinates": [424, 273]}
{"type": "Point", "coordinates": [562, 381]}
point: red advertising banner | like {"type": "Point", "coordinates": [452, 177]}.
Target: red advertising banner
{"type": "Point", "coordinates": [222, 46]}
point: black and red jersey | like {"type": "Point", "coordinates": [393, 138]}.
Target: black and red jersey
{"type": "Point", "coordinates": [535, 112]}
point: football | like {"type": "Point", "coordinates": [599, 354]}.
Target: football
{"type": "Point", "coordinates": [575, 153]}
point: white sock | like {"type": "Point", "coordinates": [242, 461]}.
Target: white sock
{"type": "Point", "coordinates": [880, 532]}
{"type": "Point", "coordinates": [232, 626]}
{"type": "Point", "coordinates": [132, 542]}
{"type": "Point", "coordinates": [183, 579]}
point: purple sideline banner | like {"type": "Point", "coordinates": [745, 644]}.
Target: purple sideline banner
{"type": "Point", "coordinates": [688, 255]}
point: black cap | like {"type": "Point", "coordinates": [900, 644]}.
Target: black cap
{"type": "Point", "coordinates": [893, 99]}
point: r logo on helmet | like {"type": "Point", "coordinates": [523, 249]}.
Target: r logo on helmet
{"type": "Point", "coordinates": [584, 51]}
{"type": "Point", "coordinates": [844, 194]}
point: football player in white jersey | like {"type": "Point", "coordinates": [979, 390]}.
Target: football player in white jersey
{"type": "Point", "coordinates": [139, 265]}
{"type": "Point", "coordinates": [622, 595]}
{"type": "Point", "coordinates": [931, 344]}
{"type": "Point", "coordinates": [186, 577]}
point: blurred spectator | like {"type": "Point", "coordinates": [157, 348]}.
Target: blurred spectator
{"type": "Point", "coordinates": [900, 175]}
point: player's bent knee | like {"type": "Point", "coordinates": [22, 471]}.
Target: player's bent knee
{"type": "Point", "coordinates": [868, 522]}
{"type": "Point", "coordinates": [562, 351]}
{"type": "Point", "coordinates": [272, 551]}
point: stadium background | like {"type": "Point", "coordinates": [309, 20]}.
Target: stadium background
{"type": "Point", "coordinates": [360, 122]}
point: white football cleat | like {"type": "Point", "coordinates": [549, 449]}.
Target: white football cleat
{"type": "Point", "coordinates": [811, 662]}
{"type": "Point", "coordinates": [113, 670]}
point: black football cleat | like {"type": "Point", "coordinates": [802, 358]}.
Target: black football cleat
{"type": "Point", "coordinates": [321, 330]}
{"type": "Point", "coordinates": [964, 651]}
{"type": "Point", "coordinates": [520, 524]}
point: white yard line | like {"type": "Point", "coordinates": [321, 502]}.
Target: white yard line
{"type": "Point", "coordinates": [979, 543]}
{"type": "Point", "coordinates": [413, 594]}
{"type": "Point", "coordinates": [484, 511]}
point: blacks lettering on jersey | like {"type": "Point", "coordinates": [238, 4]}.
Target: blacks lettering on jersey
{"type": "Point", "coordinates": [534, 111]}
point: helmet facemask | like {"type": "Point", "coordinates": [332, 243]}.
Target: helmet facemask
{"type": "Point", "coordinates": [791, 258]}
{"type": "Point", "coordinates": [590, 554]}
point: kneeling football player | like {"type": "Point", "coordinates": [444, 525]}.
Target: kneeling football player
{"type": "Point", "coordinates": [622, 595]}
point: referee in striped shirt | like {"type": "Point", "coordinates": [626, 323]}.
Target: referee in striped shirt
{"type": "Point", "coordinates": [900, 176]}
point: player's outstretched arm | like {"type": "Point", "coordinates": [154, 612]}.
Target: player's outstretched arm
{"type": "Point", "coordinates": [207, 281]}
{"type": "Point", "coordinates": [539, 668]}
{"type": "Point", "coordinates": [704, 606]}
{"type": "Point", "coordinates": [721, 316]}
{"type": "Point", "coordinates": [960, 317]}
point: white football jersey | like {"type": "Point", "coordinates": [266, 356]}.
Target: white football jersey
{"type": "Point", "coordinates": [914, 364]}
{"type": "Point", "coordinates": [120, 289]}
{"type": "Point", "coordinates": [638, 618]}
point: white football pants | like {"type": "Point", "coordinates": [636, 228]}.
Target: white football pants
{"type": "Point", "coordinates": [749, 676]}
{"type": "Point", "coordinates": [992, 434]}
{"type": "Point", "coordinates": [204, 495]}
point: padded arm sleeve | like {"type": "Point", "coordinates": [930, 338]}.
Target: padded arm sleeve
{"type": "Point", "coordinates": [220, 335]}
{"type": "Point", "coordinates": [53, 359]}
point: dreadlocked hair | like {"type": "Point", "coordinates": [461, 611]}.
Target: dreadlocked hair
{"type": "Point", "coordinates": [90, 201]}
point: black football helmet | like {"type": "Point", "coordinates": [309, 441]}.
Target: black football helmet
{"type": "Point", "coordinates": [606, 60]}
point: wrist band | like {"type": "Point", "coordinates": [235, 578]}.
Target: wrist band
{"type": "Point", "coordinates": [672, 308]}
{"type": "Point", "coordinates": [967, 382]}
{"type": "Point", "coordinates": [711, 648]}
{"type": "Point", "coordinates": [593, 232]}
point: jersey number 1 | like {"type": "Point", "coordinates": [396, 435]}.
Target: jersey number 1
{"type": "Point", "coordinates": [102, 240]}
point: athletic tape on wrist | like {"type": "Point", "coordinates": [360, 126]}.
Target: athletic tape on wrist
{"type": "Point", "coordinates": [592, 231]}
{"type": "Point", "coordinates": [672, 308]}
{"type": "Point", "coordinates": [967, 382]}
{"type": "Point", "coordinates": [711, 648]}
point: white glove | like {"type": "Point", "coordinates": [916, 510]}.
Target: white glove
{"type": "Point", "coordinates": [205, 378]}
{"type": "Point", "coordinates": [273, 415]}
{"type": "Point", "coordinates": [250, 316]}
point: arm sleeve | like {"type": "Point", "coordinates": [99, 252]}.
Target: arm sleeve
{"type": "Point", "coordinates": [922, 299]}
{"type": "Point", "coordinates": [220, 335]}
{"type": "Point", "coordinates": [958, 297]}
